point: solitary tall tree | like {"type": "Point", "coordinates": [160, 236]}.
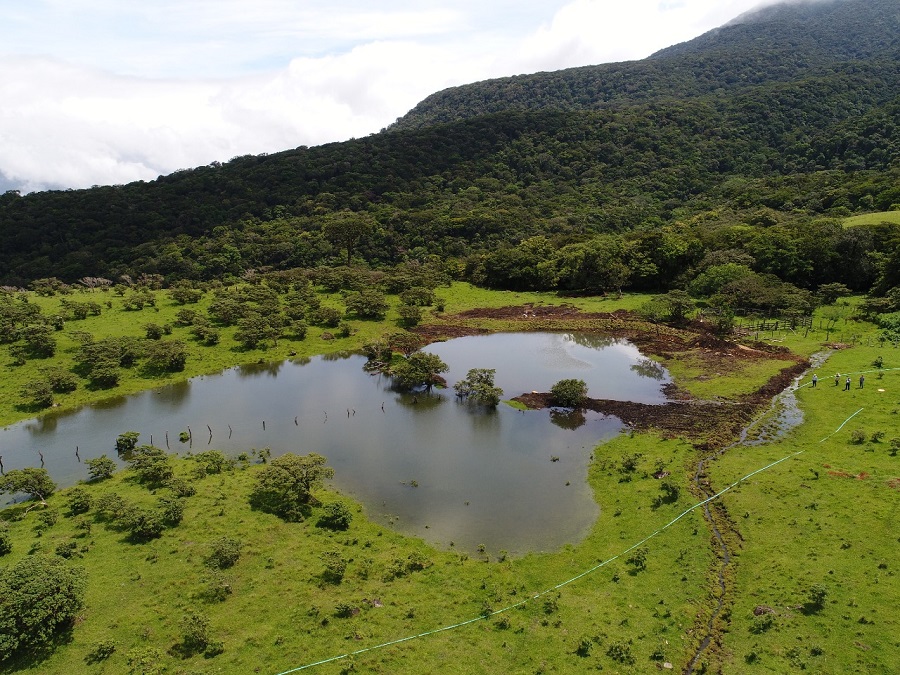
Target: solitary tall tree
{"type": "Point", "coordinates": [345, 228]}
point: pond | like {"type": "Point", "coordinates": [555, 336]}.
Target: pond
{"type": "Point", "coordinates": [425, 463]}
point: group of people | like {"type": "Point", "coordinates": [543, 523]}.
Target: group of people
{"type": "Point", "coordinates": [837, 381]}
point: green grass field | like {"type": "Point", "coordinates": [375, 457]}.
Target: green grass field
{"type": "Point", "coordinates": [873, 219]}
{"type": "Point", "coordinates": [826, 518]}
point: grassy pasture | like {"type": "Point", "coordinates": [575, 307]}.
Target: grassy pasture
{"type": "Point", "coordinates": [873, 219]}
{"type": "Point", "coordinates": [826, 517]}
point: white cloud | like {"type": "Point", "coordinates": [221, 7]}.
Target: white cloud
{"type": "Point", "coordinates": [134, 90]}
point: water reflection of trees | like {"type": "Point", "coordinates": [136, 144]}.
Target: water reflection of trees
{"type": "Point", "coordinates": [420, 400]}
{"type": "Point", "coordinates": [249, 370]}
{"type": "Point", "coordinates": [592, 340]}
{"type": "Point", "coordinates": [649, 368]}
{"type": "Point", "coordinates": [566, 418]}
{"type": "Point", "coordinates": [172, 396]}
{"type": "Point", "coordinates": [337, 356]}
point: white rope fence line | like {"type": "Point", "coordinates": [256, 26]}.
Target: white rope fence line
{"type": "Point", "coordinates": [488, 615]}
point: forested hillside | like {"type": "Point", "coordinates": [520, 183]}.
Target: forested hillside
{"type": "Point", "coordinates": [786, 43]}
{"type": "Point", "coordinates": [749, 138]}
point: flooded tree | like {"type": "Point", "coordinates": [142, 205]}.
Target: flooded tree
{"type": "Point", "coordinates": [478, 387]}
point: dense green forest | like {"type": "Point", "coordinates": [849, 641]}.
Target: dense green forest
{"type": "Point", "coordinates": [748, 144]}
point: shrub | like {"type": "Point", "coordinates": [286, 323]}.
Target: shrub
{"type": "Point", "coordinates": [144, 661]}
{"type": "Point", "coordinates": [171, 510]}
{"type": "Point", "coordinates": [100, 651]}
{"type": "Point", "coordinates": [101, 467]}
{"type": "Point", "coordinates": [5, 542]}
{"type": "Point", "coordinates": [216, 588]}
{"type": "Point", "coordinates": [61, 381]}
{"type": "Point", "coordinates": [39, 596]}
{"type": "Point", "coordinates": [224, 552]}
{"type": "Point", "coordinates": [818, 594]}
{"type": "Point", "coordinates": [583, 646]}
{"type": "Point", "coordinates": [620, 652]}
{"type": "Point", "coordinates": [336, 516]}
{"type": "Point", "coordinates": [127, 442]}
{"type": "Point", "coordinates": [569, 393]}
{"type": "Point", "coordinates": [194, 632]}
{"type": "Point", "coordinates": [80, 501]}
{"type": "Point", "coordinates": [858, 436]}
{"type": "Point", "coordinates": [67, 549]}
{"type": "Point", "coordinates": [638, 559]}
{"type": "Point", "coordinates": [142, 524]}
{"type": "Point", "coordinates": [335, 566]}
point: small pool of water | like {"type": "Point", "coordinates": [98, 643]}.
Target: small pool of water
{"type": "Point", "coordinates": [426, 463]}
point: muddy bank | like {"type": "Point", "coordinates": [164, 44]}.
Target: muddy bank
{"type": "Point", "coordinates": [655, 339]}
{"type": "Point", "coordinates": [707, 423]}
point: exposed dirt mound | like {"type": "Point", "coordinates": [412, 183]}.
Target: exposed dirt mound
{"type": "Point", "coordinates": [691, 419]}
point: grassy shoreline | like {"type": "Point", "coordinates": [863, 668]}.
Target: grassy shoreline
{"type": "Point", "coordinates": [798, 524]}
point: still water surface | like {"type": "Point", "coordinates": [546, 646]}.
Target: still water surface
{"type": "Point", "coordinates": [480, 476]}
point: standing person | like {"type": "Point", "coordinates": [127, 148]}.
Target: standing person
{"type": "Point", "coordinates": [815, 379]}
{"type": "Point", "coordinates": [862, 381]}
{"type": "Point", "coordinates": [837, 379]}
{"type": "Point", "coordinates": [847, 384]}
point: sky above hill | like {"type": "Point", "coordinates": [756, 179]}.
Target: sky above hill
{"type": "Point", "coordinates": [112, 91]}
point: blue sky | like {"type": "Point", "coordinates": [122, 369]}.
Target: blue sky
{"type": "Point", "coordinates": [111, 91]}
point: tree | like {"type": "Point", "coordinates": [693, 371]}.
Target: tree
{"type": "Point", "coordinates": [151, 465]}
{"type": "Point", "coordinates": [345, 228]}
{"type": "Point", "coordinates": [284, 487]}
{"type": "Point", "coordinates": [101, 467]}
{"type": "Point", "coordinates": [127, 442]}
{"type": "Point", "coordinates": [419, 368]}
{"type": "Point", "coordinates": [569, 393]}
{"type": "Point", "coordinates": [61, 381]}
{"type": "Point", "coordinates": [36, 483]}
{"type": "Point", "coordinates": [37, 393]}
{"type": "Point", "coordinates": [254, 329]}
{"type": "Point", "coordinates": [167, 356]}
{"type": "Point", "coordinates": [39, 342]}
{"type": "Point", "coordinates": [410, 315]}
{"type": "Point", "coordinates": [478, 387]}
{"type": "Point", "coordinates": [405, 343]}
{"type": "Point", "coordinates": [367, 304]}
{"type": "Point", "coordinates": [39, 595]}
{"type": "Point", "coordinates": [679, 305]}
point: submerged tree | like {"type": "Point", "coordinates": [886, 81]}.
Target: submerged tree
{"type": "Point", "coordinates": [478, 387]}
{"type": "Point", "coordinates": [419, 368]}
